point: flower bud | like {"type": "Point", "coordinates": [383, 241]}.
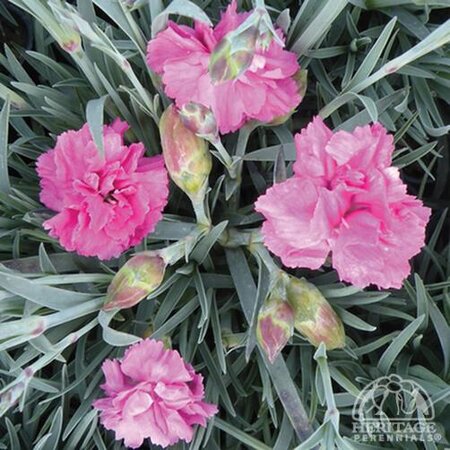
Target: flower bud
{"type": "Point", "coordinates": [10, 395]}
{"type": "Point", "coordinates": [68, 38]}
{"type": "Point", "coordinates": [314, 316]}
{"type": "Point", "coordinates": [200, 120]}
{"type": "Point", "coordinates": [186, 155]}
{"type": "Point", "coordinates": [264, 40]}
{"type": "Point", "coordinates": [71, 42]}
{"type": "Point", "coordinates": [301, 79]}
{"type": "Point", "coordinates": [135, 280]}
{"type": "Point", "coordinates": [275, 322]}
{"type": "Point", "coordinates": [63, 27]}
{"type": "Point", "coordinates": [233, 55]}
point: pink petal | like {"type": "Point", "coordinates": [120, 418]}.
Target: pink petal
{"type": "Point", "coordinates": [131, 432]}
{"type": "Point", "coordinates": [229, 21]}
{"type": "Point", "coordinates": [118, 126]}
{"type": "Point", "coordinates": [178, 428]}
{"type": "Point", "coordinates": [137, 403]}
{"type": "Point", "coordinates": [264, 92]}
{"type": "Point", "coordinates": [228, 107]}
{"type": "Point", "coordinates": [51, 194]}
{"type": "Point", "coordinates": [149, 361]}
{"type": "Point", "coordinates": [187, 80]}
{"type": "Point", "coordinates": [175, 396]}
{"type": "Point", "coordinates": [376, 250]}
{"type": "Point", "coordinates": [157, 426]}
{"type": "Point", "coordinates": [364, 148]}
{"type": "Point", "coordinates": [106, 204]}
{"type": "Point", "coordinates": [312, 159]}
{"type": "Point", "coordinates": [176, 42]}
{"type": "Point", "coordinates": [296, 229]}
{"type": "Point", "coordinates": [114, 380]}
{"type": "Point", "coordinates": [152, 393]}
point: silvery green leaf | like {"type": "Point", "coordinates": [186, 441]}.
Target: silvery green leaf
{"type": "Point", "coordinates": [4, 128]}
{"type": "Point", "coordinates": [94, 116]}
{"type": "Point", "coordinates": [184, 8]}
{"type": "Point", "coordinates": [284, 20]}
{"type": "Point", "coordinates": [111, 336]}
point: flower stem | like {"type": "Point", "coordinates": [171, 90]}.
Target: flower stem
{"type": "Point", "coordinates": [263, 254]}
{"type": "Point", "coordinates": [145, 96]}
{"type": "Point", "coordinates": [224, 154]}
{"type": "Point", "coordinates": [278, 371]}
{"type": "Point", "coordinates": [241, 146]}
{"type": "Point", "coordinates": [233, 238]}
{"type": "Point", "coordinates": [244, 135]}
{"type": "Point", "coordinates": [86, 67]}
{"type": "Point", "coordinates": [176, 251]}
{"type": "Point", "coordinates": [332, 413]}
{"type": "Point", "coordinates": [201, 210]}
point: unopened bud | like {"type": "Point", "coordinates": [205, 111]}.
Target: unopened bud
{"type": "Point", "coordinates": [64, 28]}
{"type": "Point", "coordinates": [10, 395]}
{"type": "Point", "coordinates": [135, 280]}
{"type": "Point", "coordinates": [301, 79]}
{"type": "Point", "coordinates": [275, 322]}
{"type": "Point", "coordinates": [71, 42]}
{"type": "Point", "coordinates": [314, 316]}
{"type": "Point", "coordinates": [200, 120]}
{"type": "Point", "coordinates": [233, 55]}
{"type": "Point", "coordinates": [264, 40]}
{"type": "Point", "coordinates": [186, 155]}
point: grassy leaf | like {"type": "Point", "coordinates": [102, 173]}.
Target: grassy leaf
{"type": "Point", "coordinates": [438, 38]}
{"type": "Point", "coordinates": [241, 436]}
{"type": "Point", "coordinates": [320, 23]}
{"type": "Point", "coordinates": [114, 337]}
{"type": "Point", "coordinates": [397, 345]}
{"type": "Point", "coordinates": [4, 127]}
{"type": "Point", "coordinates": [372, 58]}
{"type": "Point", "coordinates": [182, 8]}
{"type": "Point", "coordinates": [94, 117]}
{"type": "Point", "coordinates": [55, 431]}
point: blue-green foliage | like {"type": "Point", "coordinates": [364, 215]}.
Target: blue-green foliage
{"type": "Point", "coordinates": [385, 60]}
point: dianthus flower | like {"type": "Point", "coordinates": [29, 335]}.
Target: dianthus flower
{"type": "Point", "coordinates": [345, 198]}
{"type": "Point", "coordinates": [152, 393]}
{"type": "Point", "coordinates": [265, 90]}
{"type": "Point", "coordinates": [105, 204]}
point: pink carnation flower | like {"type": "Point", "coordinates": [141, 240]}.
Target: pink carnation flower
{"type": "Point", "coordinates": [264, 91]}
{"type": "Point", "coordinates": [105, 204]}
{"type": "Point", "coordinates": [152, 393]}
{"type": "Point", "coordinates": [345, 197]}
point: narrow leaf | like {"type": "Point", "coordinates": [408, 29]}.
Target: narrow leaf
{"type": "Point", "coordinates": [4, 128]}
{"type": "Point", "coordinates": [315, 31]}
{"type": "Point", "coordinates": [94, 117]}
{"type": "Point", "coordinates": [114, 337]}
{"type": "Point", "coordinates": [374, 55]}
{"type": "Point", "coordinates": [397, 345]}
{"type": "Point", "coordinates": [184, 8]}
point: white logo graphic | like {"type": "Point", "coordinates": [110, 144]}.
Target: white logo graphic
{"type": "Point", "coordinates": [393, 409]}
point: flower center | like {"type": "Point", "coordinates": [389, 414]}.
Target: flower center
{"type": "Point", "coordinates": [109, 198]}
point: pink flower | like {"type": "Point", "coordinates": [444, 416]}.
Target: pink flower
{"type": "Point", "coordinates": [152, 393]}
{"type": "Point", "coordinates": [104, 204]}
{"type": "Point", "coordinates": [345, 197]}
{"type": "Point", "coordinates": [264, 91]}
